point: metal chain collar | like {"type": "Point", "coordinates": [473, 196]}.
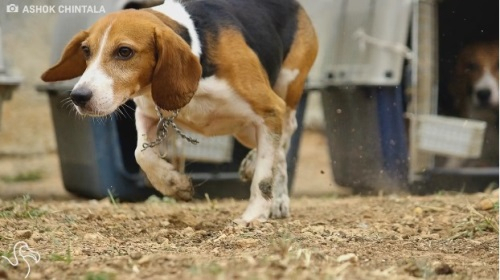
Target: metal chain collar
{"type": "Point", "coordinates": [162, 130]}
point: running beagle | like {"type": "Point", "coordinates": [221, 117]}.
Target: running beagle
{"type": "Point", "coordinates": [231, 66]}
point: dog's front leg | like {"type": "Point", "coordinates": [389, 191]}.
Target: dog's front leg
{"type": "Point", "coordinates": [160, 173]}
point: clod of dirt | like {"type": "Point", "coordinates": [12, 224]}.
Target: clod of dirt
{"type": "Point", "coordinates": [24, 234]}
{"type": "Point", "coordinates": [91, 236]}
{"type": "Point", "coordinates": [348, 258]}
{"type": "Point", "coordinates": [485, 204]}
{"type": "Point", "coordinates": [165, 223]}
{"type": "Point", "coordinates": [414, 268]}
{"type": "Point", "coordinates": [184, 219]}
{"type": "Point", "coordinates": [247, 242]}
{"type": "Point", "coordinates": [188, 232]}
{"type": "Point", "coordinates": [442, 268]}
{"type": "Point", "coordinates": [37, 237]}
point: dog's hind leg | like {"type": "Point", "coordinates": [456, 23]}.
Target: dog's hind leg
{"type": "Point", "coordinates": [281, 201]}
{"type": "Point", "coordinates": [290, 86]}
{"type": "Point", "coordinates": [268, 127]}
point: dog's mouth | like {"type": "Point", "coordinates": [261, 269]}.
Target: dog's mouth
{"type": "Point", "coordinates": [98, 110]}
{"type": "Point", "coordinates": [92, 112]}
{"type": "Point", "coordinates": [95, 105]}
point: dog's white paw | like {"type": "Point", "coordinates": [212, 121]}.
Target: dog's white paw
{"type": "Point", "coordinates": [174, 184]}
{"type": "Point", "coordinates": [280, 207]}
{"type": "Point", "coordinates": [257, 210]}
{"type": "Point", "coordinates": [247, 166]}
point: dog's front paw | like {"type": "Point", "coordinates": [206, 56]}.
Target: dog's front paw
{"type": "Point", "coordinates": [247, 166]}
{"type": "Point", "coordinates": [280, 207]}
{"type": "Point", "coordinates": [180, 186]}
{"type": "Point", "coordinates": [175, 185]}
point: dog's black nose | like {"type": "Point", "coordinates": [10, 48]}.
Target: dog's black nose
{"type": "Point", "coordinates": [80, 96]}
{"type": "Point", "coordinates": [483, 96]}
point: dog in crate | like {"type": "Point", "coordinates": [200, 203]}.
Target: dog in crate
{"type": "Point", "coordinates": [215, 67]}
{"type": "Point", "coordinates": [475, 91]}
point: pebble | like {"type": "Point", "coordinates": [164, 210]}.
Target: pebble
{"type": "Point", "coordinates": [485, 204]}
{"type": "Point", "coordinates": [418, 211]}
{"type": "Point", "coordinates": [36, 237]}
{"type": "Point", "coordinates": [135, 255]}
{"type": "Point", "coordinates": [317, 229]}
{"type": "Point", "coordinates": [91, 236]}
{"type": "Point", "coordinates": [145, 260]}
{"type": "Point", "coordinates": [165, 223]}
{"type": "Point", "coordinates": [247, 242]}
{"type": "Point", "coordinates": [188, 231]}
{"type": "Point", "coordinates": [348, 258]}
{"type": "Point", "coordinates": [24, 234]}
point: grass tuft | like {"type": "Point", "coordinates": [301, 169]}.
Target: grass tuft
{"type": "Point", "coordinates": [66, 257]}
{"type": "Point", "coordinates": [112, 198]}
{"type": "Point", "coordinates": [21, 209]}
{"type": "Point", "coordinates": [28, 176]}
{"type": "Point", "coordinates": [99, 276]}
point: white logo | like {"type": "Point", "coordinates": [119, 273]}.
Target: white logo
{"type": "Point", "coordinates": [12, 8]}
{"type": "Point", "coordinates": [24, 251]}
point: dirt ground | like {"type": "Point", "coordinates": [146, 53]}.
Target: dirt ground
{"type": "Point", "coordinates": [394, 237]}
{"type": "Point", "coordinates": [328, 236]}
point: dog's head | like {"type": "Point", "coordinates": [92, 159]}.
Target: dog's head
{"type": "Point", "coordinates": [478, 68]}
{"type": "Point", "coordinates": [123, 53]}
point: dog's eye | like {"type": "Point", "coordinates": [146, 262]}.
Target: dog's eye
{"type": "Point", "coordinates": [124, 53]}
{"type": "Point", "coordinates": [86, 51]}
{"type": "Point", "coordinates": [471, 66]}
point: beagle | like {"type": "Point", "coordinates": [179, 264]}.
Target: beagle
{"type": "Point", "coordinates": [233, 67]}
{"type": "Point", "coordinates": [475, 83]}
{"type": "Point", "coordinates": [474, 88]}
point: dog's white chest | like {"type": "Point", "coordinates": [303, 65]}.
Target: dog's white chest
{"type": "Point", "coordinates": [215, 109]}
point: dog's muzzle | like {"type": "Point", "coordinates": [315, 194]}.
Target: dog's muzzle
{"type": "Point", "coordinates": [80, 96]}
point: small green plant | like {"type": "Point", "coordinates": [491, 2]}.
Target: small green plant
{"type": "Point", "coordinates": [66, 257]}
{"type": "Point", "coordinates": [213, 204]}
{"type": "Point", "coordinates": [112, 198]}
{"type": "Point", "coordinates": [98, 276]}
{"type": "Point", "coordinates": [21, 209]}
{"type": "Point", "coordinates": [7, 254]}
{"type": "Point", "coordinates": [28, 176]}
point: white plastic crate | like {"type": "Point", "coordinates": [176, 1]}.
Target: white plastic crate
{"type": "Point", "coordinates": [217, 149]}
{"type": "Point", "coordinates": [361, 42]}
{"type": "Point", "coordinates": [450, 136]}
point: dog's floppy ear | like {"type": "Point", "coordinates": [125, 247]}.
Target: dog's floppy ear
{"type": "Point", "coordinates": [72, 63]}
{"type": "Point", "coordinates": [177, 71]}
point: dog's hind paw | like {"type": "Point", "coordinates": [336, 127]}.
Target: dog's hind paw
{"type": "Point", "coordinates": [281, 207]}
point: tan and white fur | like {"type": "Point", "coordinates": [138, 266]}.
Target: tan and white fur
{"type": "Point", "coordinates": [165, 71]}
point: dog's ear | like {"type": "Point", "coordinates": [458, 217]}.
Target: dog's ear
{"type": "Point", "coordinates": [177, 71]}
{"type": "Point", "coordinates": [72, 63]}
